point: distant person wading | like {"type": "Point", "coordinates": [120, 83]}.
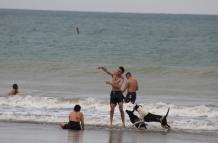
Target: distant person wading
{"type": "Point", "coordinates": [14, 90]}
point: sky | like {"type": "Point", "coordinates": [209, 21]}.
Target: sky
{"type": "Point", "coordinates": [135, 6]}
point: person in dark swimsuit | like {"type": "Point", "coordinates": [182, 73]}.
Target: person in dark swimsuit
{"type": "Point", "coordinates": [116, 96]}
{"type": "Point", "coordinates": [76, 120]}
{"type": "Point", "coordinates": [72, 125]}
{"type": "Point", "coordinates": [131, 86]}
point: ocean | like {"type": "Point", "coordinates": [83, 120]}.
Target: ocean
{"type": "Point", "coordinates": [174, 58]}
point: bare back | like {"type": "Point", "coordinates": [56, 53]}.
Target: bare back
{"type": "Point", "coordinates": [132, 85]}
{"type": "Point", "coordinates": [76, 116]}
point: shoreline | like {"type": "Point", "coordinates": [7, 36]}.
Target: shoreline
{"type": "Point", "coordinates": [128, 128]}
{"type": "Point", "coordinates": [50, 133]}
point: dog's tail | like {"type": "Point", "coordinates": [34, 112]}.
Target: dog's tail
{"type": "Point", "coordinates": [164, 123]}
{"type": "Point", "coordinates": [167, 112]}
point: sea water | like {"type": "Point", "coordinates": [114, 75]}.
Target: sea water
{"type": "Point", "coordinates": [173, 57]}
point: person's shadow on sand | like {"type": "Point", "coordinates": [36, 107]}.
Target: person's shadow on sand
{"type": "Point", "coordinates": [115, 136]}
{"type": "Point", "coordinates": [75, 136]}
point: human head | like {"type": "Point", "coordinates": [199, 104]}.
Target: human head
{"type": "Point", "coordinates": [128, 75]}
{"type": "Point", "coordinates": [15, 86]}
{"type": "Point", "coordinates": [77, 108]}
{"type": "Point", "coordinates": [120, 70]}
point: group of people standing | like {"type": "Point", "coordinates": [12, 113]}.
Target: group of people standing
{"type": "Point", "coordinates": [118, 86]}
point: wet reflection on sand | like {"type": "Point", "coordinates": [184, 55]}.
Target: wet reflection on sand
{"type": "Point", "coordinates": [75, 136]}
{"type": "Point", "coordinates": [115, 136]}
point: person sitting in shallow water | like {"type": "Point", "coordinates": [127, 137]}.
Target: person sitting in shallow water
{"type": "Point", "coordinates": [14, 90]}
{"type": "Point", "coordinates": [76, 120]}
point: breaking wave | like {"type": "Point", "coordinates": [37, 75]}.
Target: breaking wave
{"type": "Point", "coordinates": [52, 110]}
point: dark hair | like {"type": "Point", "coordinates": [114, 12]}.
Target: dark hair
{"type": "Point", "coordinates": [122, 69]}
{"type": "Point", "coordinates": [128, 73]}
{"type": "Point", "coordinates": [77, 108]}
{"type": "Point", "coordinates": [15, 86]}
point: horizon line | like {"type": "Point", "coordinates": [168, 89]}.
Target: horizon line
{"type": "Point", "coordinates": [200, 14]}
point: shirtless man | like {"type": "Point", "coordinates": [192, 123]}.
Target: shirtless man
{"type": "Point", "coordinates": [116, 95]}
{"type": "Point", "coordinates": [131, 86]}
{"type": "Point", "coordinates": [14, 90]}
{"type": "Point", "coordinates": [76, 120]}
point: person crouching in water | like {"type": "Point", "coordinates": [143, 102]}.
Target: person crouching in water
{"type": "Point", "coordinates": [76, 120]}
{"type": "Point", "coordinates": [14, 90]}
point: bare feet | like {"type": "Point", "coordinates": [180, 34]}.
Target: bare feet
{"type": "Point", "coordinates": [61, 125]}
{"type": "Point", "coordinates": [110, 126]}
{"type": "Point", "coordinates": [123, 125]}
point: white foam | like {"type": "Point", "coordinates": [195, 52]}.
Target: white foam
{"type": "Point", "coordinates": [51, 109]}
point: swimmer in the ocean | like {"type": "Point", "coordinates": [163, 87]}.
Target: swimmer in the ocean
{"type": "Point", "coordinates": [14, 90]}
{"type": "Point", "coordinates": [77, 30]}
{"type": "Point", "coordinates": [76, 120]}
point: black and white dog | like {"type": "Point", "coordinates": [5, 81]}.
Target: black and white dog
{"type": "Point", "coordinates": [139, 122]}
{"type": "Point", "coordinates": [134, 119]}
{"type": "Point", "coordinates": [149, 117]}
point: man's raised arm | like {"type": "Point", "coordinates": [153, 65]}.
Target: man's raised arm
{"type": "Point", "coordinates": [105, 70]}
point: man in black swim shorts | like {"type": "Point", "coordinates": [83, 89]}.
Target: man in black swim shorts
{"type": "Point", "coordinates": [130, 97]}
{"type": "Point", "coordinates": [116, 96]}
{"type": "Point", "coordinates": [131, 86]}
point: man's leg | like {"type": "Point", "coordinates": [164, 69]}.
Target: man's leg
{"type": "Point", "coordinates": [122, 113]}
{"type": "Point", "coordinates": [63, 125]}
{"type": "Point", "coordinates": [127, 98]}
{"type": "Point", "coordinates": [112, 114]}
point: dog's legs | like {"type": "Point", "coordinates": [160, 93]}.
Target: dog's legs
{"type": "Point", "coordinates": [164, 120]}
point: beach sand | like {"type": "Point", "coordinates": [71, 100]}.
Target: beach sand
{"type": "Point", "coordinates": [11, 132]}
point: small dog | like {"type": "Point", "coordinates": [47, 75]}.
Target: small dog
{"type": "Point", "coordinates": [135, 120]}
{"type": "Point", "coordinates": [149, 117]}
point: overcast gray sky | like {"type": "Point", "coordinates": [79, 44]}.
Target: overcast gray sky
{"type": "Point", "coordinates": [141, 6]}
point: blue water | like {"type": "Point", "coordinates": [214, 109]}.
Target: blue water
{"type": "Point", "coordinates": [109, 38]}
{"type": "Point", "coordinates": [169, 54]}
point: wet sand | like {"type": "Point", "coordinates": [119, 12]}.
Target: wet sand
{"type": "Point", "coordinates": [11, 132]}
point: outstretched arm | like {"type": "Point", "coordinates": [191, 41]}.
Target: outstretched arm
{"type": "Point", "coordinates": [105, 70]}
